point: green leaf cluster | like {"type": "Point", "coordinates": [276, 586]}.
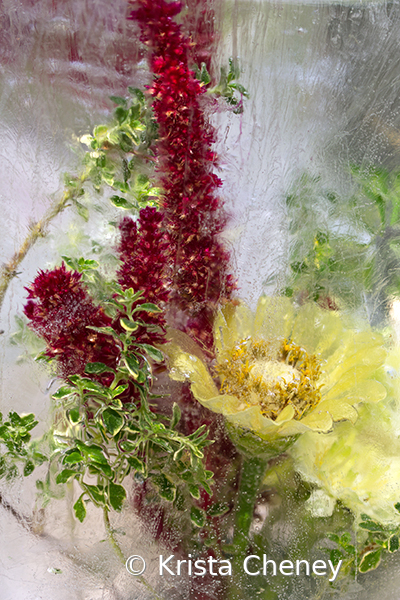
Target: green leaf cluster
{"type": "Point", "coordinates": [345, 551]}
{"type": "Point", "coordinates": [228, 86]}
{"type": "Point", "coordinates": [106, 429]}
{"type": "Point", "coordinates": [27, 339]}
{"type": "Point", "coordinates": [108, 435]}
{"type": "Point", "coordinates": [119, 159]}
{"type": "Point", "coordinates": [345, 246]}
{"type": "Point", "coordinates": [120, 152]}
{"type": "Point", "coordinates": [379, 540]}
{"type": "Point", "coordinates": [15, 447]}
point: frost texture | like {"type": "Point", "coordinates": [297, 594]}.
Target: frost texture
{"type": "Point", "coordinates": [324, 92]}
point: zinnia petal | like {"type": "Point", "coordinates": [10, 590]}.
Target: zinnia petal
{"type": "Point", "coordinates": [284, 371]}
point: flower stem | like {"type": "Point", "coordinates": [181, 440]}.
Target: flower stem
{"type": "Point", "coordinates": [253, 470]}
{"type": "Point", "coordinates": [120, 554]}
{"type": "Point", "coordinates": [111, 537]}
{"type": "Point", "coordinates": [38, 230]}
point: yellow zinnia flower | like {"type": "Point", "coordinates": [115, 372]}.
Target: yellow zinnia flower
{"type": "Point", "coordinates": [283, 371]}
{"type": "Point", "coordinates": [356, 464]}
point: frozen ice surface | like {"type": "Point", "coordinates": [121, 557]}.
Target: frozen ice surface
{"type": "Point", "coordinates": [324, 81]}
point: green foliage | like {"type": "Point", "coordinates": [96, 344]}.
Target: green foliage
{"type": "Point", "coordinates": [228, 87]}
{"type": "Point", "coordinates": [107, 435]}
{"type": "Point", "coordinates": [197, 516]}
{"type": "Point", "coordinates": [119, 159]}
{"type": "Point", "coordinates": [81, 265]}
{"type": "Point", "coordinates": [344, 247]}
{"type": "Point", "coordinates": [380, 539]}
{"type": "Point", "coordinates": [119, 150]}
{"type": "Point", "coordinates": [104, 433]}
{"type": "Point", "coordinates": [15, 446]}
{"type": "Point", "coordinates": [325, 260]}
{"type": "Point", "coordinates": [80, 509]}
{"type": "Point", "coordinates": [202, 73]}
{"type": "Point", "coordinates": [96, 282]}
{"type": "Point", "coordinates": [382, 189]}
{"type": "Point", "coordinates": [345, 552]}
{"type": "Point", "coordinates": [370, 560]}
{"type": "Point", "coordinates": [218, 509]}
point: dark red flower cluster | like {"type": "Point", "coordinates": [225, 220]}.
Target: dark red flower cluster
{"type": "Point", "coordinates": [60, 311]}
{"type": "Point", "coordinates": [193, 213]}
{"type": "Point", "coordinates": [196, 265]}
{"type": "Point", "coordinates": [143, 251]}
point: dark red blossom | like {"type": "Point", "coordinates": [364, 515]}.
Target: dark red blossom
{"type": "Point", "coordinates": [143, 251]}
{"type": "Point", "coordinates": [196, 269]}
{"type": "Point", "coordinates": [193, 212]}
{"type": "Point", "coordinates": [60, 311]}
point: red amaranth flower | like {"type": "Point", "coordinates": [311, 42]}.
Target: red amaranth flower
{"type": "Point", "coordinates": [143, 254]}
{"type": "Point", "coordinates": [193, 213]}
{"type": "Point", "coordinates": [60, 311]}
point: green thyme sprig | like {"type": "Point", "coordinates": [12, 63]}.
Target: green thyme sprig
{"type": "Point", "coordinates": [104, 433]}
{"type": "Point", "coordinates": [120, 153]}
{"type": "Point", "coordinates": [381, 539]}
{"type": "Point", "coordinates": [344, 249]}
{"type": "Point", "coordinates": [227, 87]}
{"type": "Point", "coordinates": [119, 160]}
{"type": "Point", "coordinates": [16, 446]}
{"type": "Point", "coordinates": [108, 437]}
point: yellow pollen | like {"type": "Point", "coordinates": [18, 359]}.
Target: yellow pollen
{"type": "Point", "coordinates": [272, 375]}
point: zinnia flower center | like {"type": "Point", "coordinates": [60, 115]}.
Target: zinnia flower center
{"type": "Point", "coordinates": [272, 375]}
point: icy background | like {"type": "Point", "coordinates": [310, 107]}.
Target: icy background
{"type": "Point", "coordinates": [324, 81]}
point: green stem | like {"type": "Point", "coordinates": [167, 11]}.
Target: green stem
{"type": "Point", "coordinates": [252, 473]}
{"type": "Point", "coordinates": [111, 537]}
{"type": "Point", "coordinates": [253, 470]}
{"type": "Point", "coordinates": [120, 554]}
